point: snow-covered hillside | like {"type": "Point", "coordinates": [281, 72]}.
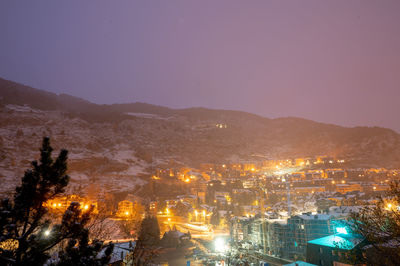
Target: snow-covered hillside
{"type": "Point", "coordinates": [96, 153]}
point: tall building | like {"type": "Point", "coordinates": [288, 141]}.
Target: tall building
{"type": "Point", "coordinates": [285, 238]}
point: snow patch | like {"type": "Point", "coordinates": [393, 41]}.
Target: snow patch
{"type": "Point", "coordinates": [19, 108]}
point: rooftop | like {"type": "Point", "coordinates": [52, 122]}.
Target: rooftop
{"type": "Point", "coordinates": [299, 263]}
{"type": "Point", "coordinates": [341, 241]}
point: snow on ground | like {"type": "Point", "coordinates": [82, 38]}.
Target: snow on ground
{"type": "Point", "coordinates": [76, 155]}
{"type": "Point", "coordinates": [115, 181]}
{"type": "Point", "coordinates": [82, 140]}
{"type": "Point", "coordinates": [8, 181]}
{"type": "Point", "coordinates": [19, 108]}
{"type": "Point", "coordinates": [120, 153]}
{"type": "Point", "coordinates": [151, 116]}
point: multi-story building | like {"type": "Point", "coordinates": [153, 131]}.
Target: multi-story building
{"type": "Point", "coordinates": [287, 238]}
{"type": "Point", "coordinates": [306, 227]}
{"type": "Point", "coordinates": [125, 208]}
{"type": "Point", "coordinates": [62, 203]}
{"type": "Point", "coordinates": [241, 228]}
{"type": "Point", "coordinates": [344, 188]}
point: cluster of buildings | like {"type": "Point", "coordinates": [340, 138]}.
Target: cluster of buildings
{"type": "Point", "coordinates": [279, 207]}
{"type": "Point", "coordinates": [125, 210]}
{"type": "Point", "coordinates": [60, 204]}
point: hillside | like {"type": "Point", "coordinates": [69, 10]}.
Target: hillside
{"type": "Point", "coordinates": [126, 139]}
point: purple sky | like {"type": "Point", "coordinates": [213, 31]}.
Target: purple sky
{"type": "Point", "coordinates": [329, 61]}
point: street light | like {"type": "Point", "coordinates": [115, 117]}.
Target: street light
{"type": "Point", "coordinates": [47, 232]}
{"type": "Point", "coordinates": [220, 245]}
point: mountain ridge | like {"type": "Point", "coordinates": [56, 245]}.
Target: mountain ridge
{"type": "Point", "coordinates": [195, 135]}
{"type": "Point", "coordinates": [64, 101]}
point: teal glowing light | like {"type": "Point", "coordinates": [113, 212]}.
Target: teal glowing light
{"type": "Point", "coordinates": [335, 241]}
{"type": "Point", "coordinates": [341, 230]}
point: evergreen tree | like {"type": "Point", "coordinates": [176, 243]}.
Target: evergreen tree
{"type": "Point", "coordinates": [146, 244]}
{"type": "Point", "coordinates": [149, 234]}
{"type": "Point", "coordinates": [215, 219]}
{"type": "Point", "coordinates": [23, 219]}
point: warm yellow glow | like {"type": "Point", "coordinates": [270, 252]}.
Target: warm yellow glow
{"type": "Point", "coordinates": [196, 212]}
{"type": "Point", "coordinates": [389, 205]}
{"type": "Point", "coordinates": [187, 180]}
{"type": "Point", "coordinates": [167, 211]}
{"type": "Point", "coordinates": [59, 204]}
{"type": "Point", "coordinates": [252, 169]}
{"type": "Point", "coordinates": [54, 205]}
{"type": "Point", "coordinates": [9, 244]}
{"type": "Point", "coordinates": [333, 182]}
{"type": "Point", "coordinates": [126, 213]}
{"type": "Point", "coordinates": [204, 213]}
{"type": "Point", "coordinates": [169, 219]}
{"type": "Point", "coordinates": [86, 207]}
{"type": "Point", "coordinates": [374, 188]}
{"type": "Point", "coordinates": [343, 181]}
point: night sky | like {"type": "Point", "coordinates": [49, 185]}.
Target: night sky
{"type": "Point", "coordinates": [330, 61]}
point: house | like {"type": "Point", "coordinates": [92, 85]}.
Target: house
{"type": "Point", "coordinates": [333, 249]}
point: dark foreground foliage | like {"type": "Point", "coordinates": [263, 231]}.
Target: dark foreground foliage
{"type": "Point", "coordinates": [28, 238]}
{"type": "Point", "coordinates": [379, 225]}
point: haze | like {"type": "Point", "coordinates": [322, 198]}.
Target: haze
{"type": "Point", "coordinates": [336, 62]}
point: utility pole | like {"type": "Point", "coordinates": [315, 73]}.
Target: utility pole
{"type": "Point", "coordinates": [262, 194]}
{"type": "Point", "coordinates": [288, 195]}
{"type": "Point", "coordinates": [288, 199]}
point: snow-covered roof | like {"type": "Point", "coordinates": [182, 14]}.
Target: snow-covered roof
{"type": "Point", "coordinates": [342, 241]}
{"type": "Point", "coordinates": [120, 248]}
{"type": "Point", "coordinates": [318, 216]}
